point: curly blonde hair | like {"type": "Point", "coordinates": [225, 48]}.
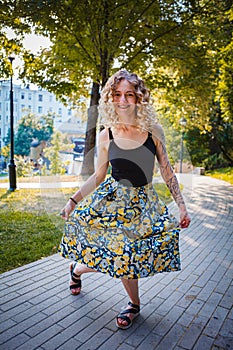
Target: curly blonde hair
{"type": "Point", "coordinates": [145, 115]}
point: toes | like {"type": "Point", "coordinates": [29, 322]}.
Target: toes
{"type": "Point", "coordinates": [75, 291]}
{"type": "Point", "coordinates": [122, 322]}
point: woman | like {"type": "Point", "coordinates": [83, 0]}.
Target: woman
{"type": "Point", "coordinates": [123, 228]}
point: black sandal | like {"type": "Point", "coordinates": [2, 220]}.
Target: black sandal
{"type": "Point", "coordinates": [76, 279]}
{"type": "Point", "coordinates": [135, 309]}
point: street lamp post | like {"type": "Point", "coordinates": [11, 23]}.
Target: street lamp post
{"type": "Point", "coordinates": [183, 123]}
{"type": "Point", "coordinates": [11, 165]}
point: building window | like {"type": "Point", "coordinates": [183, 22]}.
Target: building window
{"type": "Point", "coordinates": [30, 107]}
{"type": "Point", "coordinates": [22, 96]}
{"type": "Point", "coordinates": [39, 109]}
{"type": "Point", "coordinates": [30, 96]}
{"type": "Point", "coordinates": [50, 98]}
{"type": "Point", "coordinates": [59, 111]}
{"type": "Point", "coordinates": [50, 109]}
{"type": "Point", "coordinates": [0, 106]}
{"type": "Point", "coordinates": [69, 112]}
{"type": "Point", "coordinates": [22, 107]}
{"type": "Point", "coordinates": [40, 98]}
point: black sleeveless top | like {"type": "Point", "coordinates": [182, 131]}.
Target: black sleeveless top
{"type": "Point", "coordinates": [132, 167]}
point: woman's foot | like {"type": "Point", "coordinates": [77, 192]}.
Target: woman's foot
{"type": "Point", "coordinates": [75, 279]}
{"type": "Point", "coordinates": [125, 318]}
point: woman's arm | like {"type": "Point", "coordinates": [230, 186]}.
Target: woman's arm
{"type": "Point", "coordinates": [168, 174]}
{"type": "Point", "coordinates": [95, 179]}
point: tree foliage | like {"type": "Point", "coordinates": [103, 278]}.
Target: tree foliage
{"type": "Point", "coordinates": [32, 127]}
{"type": "Point", "coordinates": [90, 40]}
{"type": "Point", "coordinates": [9, 46]}
{"type": "Point", "coordinates": [182, 48]}
{"type": "Point", "coordinates": [197, 84]}
{"type": "Point", "coordinates": [58, 143]}
{"type": "Point", "coordinates": [5, 152]}
{"type": "Point", "coordinates": [23, 168]}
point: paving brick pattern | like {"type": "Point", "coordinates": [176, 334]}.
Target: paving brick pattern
{"type": "Point", "coordinates": [190, 309]}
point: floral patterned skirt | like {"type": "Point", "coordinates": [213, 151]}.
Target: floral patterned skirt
{"type": "Point", "coordinates": [126, 232]}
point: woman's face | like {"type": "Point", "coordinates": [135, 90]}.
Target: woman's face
{"type": "Point", "coordinates": [124, 99]}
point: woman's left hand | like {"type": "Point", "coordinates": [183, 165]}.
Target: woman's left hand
{"type": "Point", "coordinates": [65, 212]}
{"type": "Point", "coordinates": [184, 219]}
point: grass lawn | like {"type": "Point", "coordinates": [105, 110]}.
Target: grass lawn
{"type": "Point", "coordinates": [225, 174]}
{"type": "Point", "coordinates": [31, 227]}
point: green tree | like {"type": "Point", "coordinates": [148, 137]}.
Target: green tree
{"type": "Point", "coordinates": [9, 46]}
{"type": "Point", "coordinates": [179, 46]}
{"type": "Point", "coordinates": [58, 144]}
{"type": "Point", "coordinates": [89, 39]}
{"type": "Point", "coordinates": [32, 127]}
{"type": "Point", "coordinates": [225, 83]}
{"type": "Point", "coordinates": [23, 167]}
{"type": "Point", "coordinates": [197, 83]}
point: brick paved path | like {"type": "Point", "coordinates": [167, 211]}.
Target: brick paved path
{"type": "Point", "coordinates": [191, 309]}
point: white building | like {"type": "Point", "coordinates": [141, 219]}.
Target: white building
{"type": "Point", "coordinates": [38, 102]}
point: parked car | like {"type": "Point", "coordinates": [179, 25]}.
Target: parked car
{"type": "Point", "coordinates": [78, 150]}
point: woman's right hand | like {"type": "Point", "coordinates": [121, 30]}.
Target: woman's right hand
{"type": "Point", "coordinates": [68, 208]}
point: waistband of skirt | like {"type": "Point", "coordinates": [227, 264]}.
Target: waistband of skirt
{"type": "Point", "coordinates": [121, 184]}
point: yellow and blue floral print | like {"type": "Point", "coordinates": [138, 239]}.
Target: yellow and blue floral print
{"type": "Point", "coordinates": [126, 232]}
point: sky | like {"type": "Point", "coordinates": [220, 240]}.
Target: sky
{"type": "Point", "coordinates": [34, 42]}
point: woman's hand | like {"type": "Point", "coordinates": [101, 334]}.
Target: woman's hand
{"type": "Point", "coordinates": [68, 208]}
{"type": "Point", "coordinates": [184, 218]}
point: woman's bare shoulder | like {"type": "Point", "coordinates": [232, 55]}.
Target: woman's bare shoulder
{"type": "Point", "coordinates": [104, 135]}
{"type": "Point", "coordinates": [157, 132]}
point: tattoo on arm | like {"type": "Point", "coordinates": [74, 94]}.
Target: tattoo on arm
{"type": "Point", "coordinates": [169, 176]}
{"type": "Point", "coordinates": [164, 164]}
{"type": "Point", "coordinates": [174, 188]}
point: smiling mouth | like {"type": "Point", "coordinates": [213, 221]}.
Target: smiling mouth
{"type": "Point", "coordinates": [123, 107]}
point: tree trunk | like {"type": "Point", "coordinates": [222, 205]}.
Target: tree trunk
{"type": "Point", "coordinates": [88, 166]}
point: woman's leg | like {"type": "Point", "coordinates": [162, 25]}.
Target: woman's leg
{"type": "Point", "coordinates": [131, 287]}
{"type": "Point", "coordinates": [79, 270]}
